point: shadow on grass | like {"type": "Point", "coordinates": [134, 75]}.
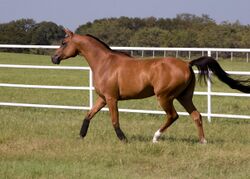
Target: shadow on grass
{"type": "Point", "coordinates": [189, 139]}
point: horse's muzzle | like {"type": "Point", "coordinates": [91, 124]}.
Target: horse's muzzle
{"type": "Point", "coordinates": [55, 59]}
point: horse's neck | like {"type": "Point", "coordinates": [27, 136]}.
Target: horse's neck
{"type": "Point", "coordinates": [95, 54]}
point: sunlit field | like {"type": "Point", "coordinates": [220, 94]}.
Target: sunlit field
{"type": "Point", "coordinates": [45, 143]}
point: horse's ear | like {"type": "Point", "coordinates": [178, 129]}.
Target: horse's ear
{"type": "Point", "coordinates": [68, 33]}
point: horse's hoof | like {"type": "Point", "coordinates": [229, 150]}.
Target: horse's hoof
{"type": "Point", "coordinates": [124, 140]}
{"type": "Point", "coordinates": [156, 136]}
{"type": "Point", "coordinates": [203, 141]}
{"type": "Point", "coordinates": [155, 141]}
{"type": "Point", "coordinates": [81, 137]}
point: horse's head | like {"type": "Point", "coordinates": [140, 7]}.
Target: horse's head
{"type": "Point", "coordinates": [66, 50]}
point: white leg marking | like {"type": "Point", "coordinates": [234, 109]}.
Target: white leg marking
{"type": "Point", "coordinates": [156, 136]}
{"type": "Point", "coordinates": [203, 141]}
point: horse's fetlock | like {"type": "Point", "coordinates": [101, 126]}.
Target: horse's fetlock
{"type": "Point", "coordinates": [120, 134]}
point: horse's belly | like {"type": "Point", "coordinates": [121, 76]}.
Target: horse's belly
{"type": "Point", "coordinates": [132, 93]}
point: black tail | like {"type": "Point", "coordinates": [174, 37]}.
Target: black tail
{"type": "Point", "coordinates": [204, 64]}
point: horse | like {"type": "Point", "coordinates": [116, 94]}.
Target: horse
{"type": "Point", "coordinates": [118, 76]}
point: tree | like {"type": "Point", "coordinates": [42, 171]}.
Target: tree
{"type": "Point", "coordinates": [183, 38]}
{"type": "Point", "coordinates": [16, 32]}
{"type": "Point", "coordinates": [111, 31]}
{"type": "Point", "coordinates": [185, 30]}
{"type": "Point", "coordinates": [27, 31]}
{"type": "Point", "coordinates": [150, 37]}
{"type": "Point", "coordinates": [46, 33]}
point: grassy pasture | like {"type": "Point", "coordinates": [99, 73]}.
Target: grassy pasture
{"type": "Point", "coordinates": [44, 143]}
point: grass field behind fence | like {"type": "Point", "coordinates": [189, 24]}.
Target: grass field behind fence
{"type": "Point", "coordinates": [44, 143]}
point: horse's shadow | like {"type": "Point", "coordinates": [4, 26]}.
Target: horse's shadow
{"type": "Point", "coordinates": [188, 140]}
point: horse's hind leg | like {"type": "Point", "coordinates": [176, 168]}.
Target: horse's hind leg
{"type": "Point", "coordinates": [187, 103]}
{"type": "Point", "coordinates": [100, 103]}
{"type": "Point", "coordinates": [168, 107]}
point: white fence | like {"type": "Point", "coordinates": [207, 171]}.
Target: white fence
{"type": "Point", "coordinates": [90, 88]}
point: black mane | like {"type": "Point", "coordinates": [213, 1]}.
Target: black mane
{"type": "Point", "coordinates": [99, 41]}
{"type": "Point", "coordinates": [115, 51]}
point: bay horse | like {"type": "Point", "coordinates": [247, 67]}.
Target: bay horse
{"type": "Point", "coordinates": [118, 76]}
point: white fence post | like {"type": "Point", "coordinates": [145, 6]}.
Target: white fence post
{"type": "Point", "coordinates": [209, 90]}
{"type": "Point", "coordinates": [91, 97]}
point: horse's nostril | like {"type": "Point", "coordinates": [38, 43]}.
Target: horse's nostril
{"type": "Point", "coordinates": [55, 59]}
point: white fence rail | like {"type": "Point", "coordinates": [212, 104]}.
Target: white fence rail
{"type": "Point", "coordinates": [90, 88]}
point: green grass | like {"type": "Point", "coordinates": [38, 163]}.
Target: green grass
{"type": "Point", "coordinates": [39, 143]}
{"type": "Point", "coordinates": [44, 143]}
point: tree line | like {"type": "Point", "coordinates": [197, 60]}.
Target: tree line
{"type": "Point", "coordinates": [27, 32]}
{"type": "Point", "coordinates": [184, 30]}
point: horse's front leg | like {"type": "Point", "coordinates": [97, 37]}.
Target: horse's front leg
{"type": "Point", "coordinates": [100, 103]}
{"type": "Point", "coordinates": [113, 109]}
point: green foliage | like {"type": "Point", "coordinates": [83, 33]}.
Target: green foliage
{"type": "Point", "coordinates": [156, 37]}
{"type": "Point", "coordinates": [185, 30]}
{"type": "Point", "coordinates": [45, 33]}
{"type": "Point", "coordinates": [27, 31]}
{"type": "Point", "coordinates": [112, 31]}
{"type": "Point", "coordinates": [181, 38]}
{"type": "Point", "coordinates": [16, 32]}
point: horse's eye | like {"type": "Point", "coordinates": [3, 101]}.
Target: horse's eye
{"type": "Point", "coordinates": [63, 43]}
